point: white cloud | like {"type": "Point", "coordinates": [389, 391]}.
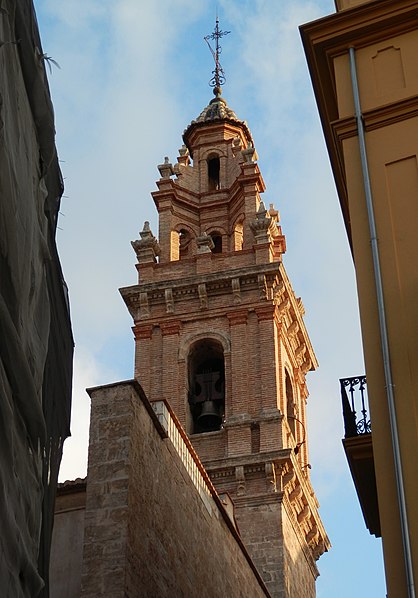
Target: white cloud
{"type": "Point", "coordinates": [88, 372]}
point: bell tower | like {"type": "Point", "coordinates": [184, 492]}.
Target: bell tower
{"type": "Point", "coordinates": [220, 335]}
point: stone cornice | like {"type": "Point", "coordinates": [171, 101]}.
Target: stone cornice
{"type": "Point", "coordinates": [196, 129]}
{"type": "Point", "coordinates": [131, 294]}
{"type": "Point", "coordinates": [296, 312]}
{"type": "Point", "coordinates": [290, 486]}
{"type": "Point", "coordinates": [247, 460]}
{"type": "Point", "coordinates": [300, 496]}
{"type": "Point", "coordinates": [307, 552]}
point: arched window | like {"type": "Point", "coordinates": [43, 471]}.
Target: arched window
{"type": "Point", "coordinates": [291, 415]}
{"type": "Point", "coordinates": [206, 378]}
{"type": "Point", "coordinates": [213, 173]}
{"type": "Point", "coordinates": [217, 242]}
{"type": "Point", "coordinates": [184, 243]}
{"type": "Point", "coordinates": [239, 235]}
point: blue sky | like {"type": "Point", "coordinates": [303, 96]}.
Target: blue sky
{"type": "Point", "coordinates": [133, 75]}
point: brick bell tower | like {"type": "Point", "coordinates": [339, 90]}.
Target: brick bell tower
{"type": "Point", "coordinates": [220, 335]}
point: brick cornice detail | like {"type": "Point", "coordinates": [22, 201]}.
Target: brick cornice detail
{"type": "Point", "coordinates": [265, 312]}
{"type": "Point", "coordinates": [237, 317]}
{"type": "Point", "coordinates": [169, 328]}
{"type": "Point", "coordinates": [142, 331]}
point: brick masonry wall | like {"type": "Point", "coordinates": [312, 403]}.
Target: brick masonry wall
{"type": "Point", "coordinates": [148, 532]}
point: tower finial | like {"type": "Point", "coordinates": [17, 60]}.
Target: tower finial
{"type": "Point", "coordinates": [218, 78]}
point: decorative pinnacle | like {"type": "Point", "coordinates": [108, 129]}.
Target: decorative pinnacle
{"type": "Point", "coordinates": [218, 78]}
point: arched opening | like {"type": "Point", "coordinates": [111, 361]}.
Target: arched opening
{"type": "Point", "coordinates": [291, 413]}
{"type": "Point", "coordinates": [217, 242]}
{"type": "Point", "coordinates": [239, 235]}
{"type": "Point", "coordinates": [206, 378]}
{"type": "Point", "coordinates": [184, 243]}
{"type": "Point", "coordinates": [214, 167]}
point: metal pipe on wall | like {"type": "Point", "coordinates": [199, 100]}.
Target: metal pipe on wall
{"type": "Point", "coordinates": [383, 330]}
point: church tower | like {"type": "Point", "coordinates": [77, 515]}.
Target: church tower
{"type": "Point", "coordinates": [220, 335]}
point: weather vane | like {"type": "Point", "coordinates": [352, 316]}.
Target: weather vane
{"type": "Point", "coordinates": [218, 78]}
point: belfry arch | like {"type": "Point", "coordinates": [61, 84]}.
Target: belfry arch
{"type": "Point", "coordinates": [214, 169]}
{"type": "Point", "coordinates": [206, 385]}
{"type": "Point", "coordinates": [290, 404]}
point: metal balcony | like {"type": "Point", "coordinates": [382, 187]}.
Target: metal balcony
{"type": "Point", "coordinates": [358, 447]}
{"type": "Point", "coordinates": [354, 395]}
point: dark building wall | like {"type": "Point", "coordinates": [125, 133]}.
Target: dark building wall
{"type": "Point", "coordinates": [148, 531]}
{"type": "Point", "coordinates": [35, 333]}
{"type": "Point", "coordinates": [67, 540]}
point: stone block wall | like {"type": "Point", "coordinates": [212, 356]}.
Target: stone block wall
{"type": "Point", "coordinates": [276, 546]}
{"type": "Point", "coordinates": [300, 570]}
{"type": "Point", "coordinates": [261, 525]}
{"type": "Point", "coordinates": [147, 530]}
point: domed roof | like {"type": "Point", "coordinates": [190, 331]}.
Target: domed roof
{"type": "Point", "coordinates": [216, 110]}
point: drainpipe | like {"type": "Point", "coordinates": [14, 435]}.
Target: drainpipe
{"type": "Point", "coordinates": [383, 331]}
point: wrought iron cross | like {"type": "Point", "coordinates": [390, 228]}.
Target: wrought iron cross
{"type": "Point", "coordinates": [218, 78]}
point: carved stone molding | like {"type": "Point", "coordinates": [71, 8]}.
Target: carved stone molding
{"type": "Point", "coordinates": [296, 493]}
{"type": "Point", "coordinates": [304, 514]}
{"type": "Point", "coordinates": [146, 248]}
{"type": "Point", "coordinates": [236, 290]}
{"type": "Point", "coordinates": [263, 226]}
{"type": "Point", "coordinates": [204, 243]}
{"type": "Point", "coordinates": [143, 305]}
{"type": "Point", "coordinates": [262, 286]}
{"type": "Point", "coordinates": [169, 301]}
{"type": "Point", "coordinates": [203, 295]}
{"type": "Point", "coordinates": [240, 479]}
{"type": "Point", "coordinates": [271, 477]}
{"type": "Point", "coordinates": [300, 350]}
{"type": "Point", "coordinates": [283, 306]}
{"type": "Point", "coordinates": [293, 328]}
{"type": "Point", "coordinates": [166, 170]}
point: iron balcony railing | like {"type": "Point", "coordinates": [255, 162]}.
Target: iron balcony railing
{"type": "Point", "coordinates": [355, 406]}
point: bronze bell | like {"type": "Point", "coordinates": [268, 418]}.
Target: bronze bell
{"type": "Point", "coordinates": [209, 419]}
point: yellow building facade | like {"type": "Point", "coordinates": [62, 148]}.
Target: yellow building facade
{"type": "Point", "coordinates": [364, 69]}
